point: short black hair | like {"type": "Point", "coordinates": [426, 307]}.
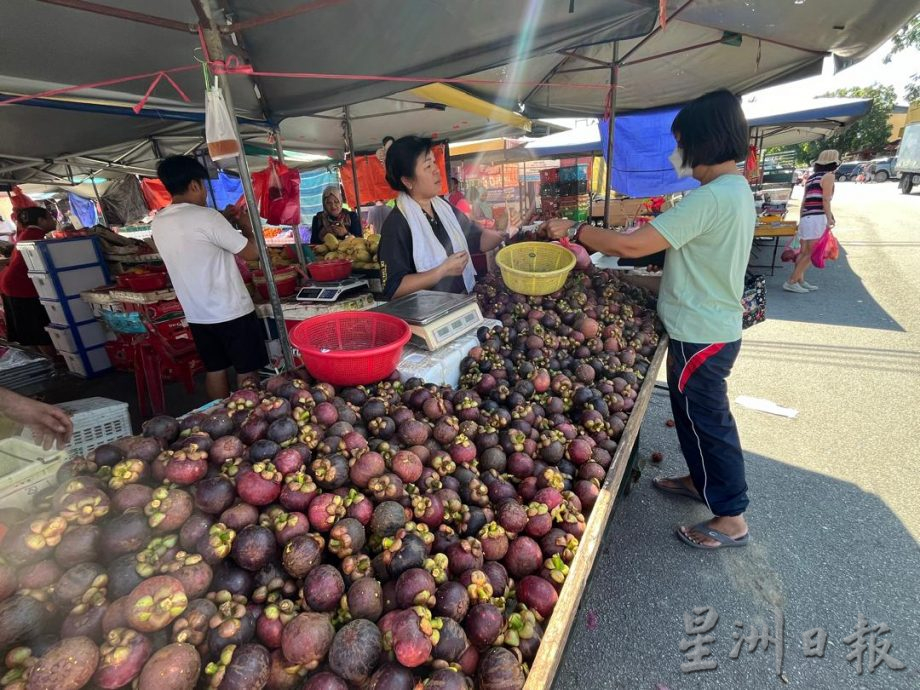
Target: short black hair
{"type": "Point", "coordinates": [31, 215]}
{"type": "Point", "coordinates": [826, 167]}
{"type": "Point", "coordinates": [178, 172]}
{"type": "Point", "coordinates": [712, 129]}
{"type": "Point", "coordinates": [402, 157]}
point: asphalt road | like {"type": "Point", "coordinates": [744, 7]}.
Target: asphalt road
{"type": "Point", "coordinates": [835, 492]}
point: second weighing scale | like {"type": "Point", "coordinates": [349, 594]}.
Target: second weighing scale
{"type": "Point", "coordinates": [435, 318]}
{"type": "Point", "coordinates": [314, 291]}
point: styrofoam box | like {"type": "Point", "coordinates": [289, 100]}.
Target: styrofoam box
{"type": "Point", "coordinates": [72, 282]}
{"type": "Point", "coordinates": [58, 254]}
{"type": "Point", "coordinates": [25, 470]}
{"type": "Point", "coordinates": [80, 310]}
{"type": "Point", "coordinates": [98, 362]}
{"type": "Point", "coordinates": [65, 337]}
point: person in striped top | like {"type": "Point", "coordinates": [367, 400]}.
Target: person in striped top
{"type": "Point", "coordinates": [815, 216]}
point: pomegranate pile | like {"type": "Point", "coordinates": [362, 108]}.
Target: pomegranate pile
{"type": "Point", "coordinates": [298, 536]}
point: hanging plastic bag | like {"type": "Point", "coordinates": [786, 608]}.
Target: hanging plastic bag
{"type": "Point", "coordinates": [791, 250]}
{"type": "Point", "coordinates": [824, 248]}
{"type": "Point", "coordinates": [218, 126]}
{"type": "Point", "coordinates": [277, 191]}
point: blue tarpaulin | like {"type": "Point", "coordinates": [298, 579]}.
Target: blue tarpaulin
{"type": "Point", "coordinates": [642, 143]}
{"type": "Point", "coordinates": [227, 191]}
{"type": "Point", "coordinates": [312, 184]}
{"type": "Point", "coordinates": [84, 209]}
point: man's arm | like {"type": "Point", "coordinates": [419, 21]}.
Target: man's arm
{"type": "Point", "coordinates": [47, 423]}
{"type": "Point", "coordinates": [240, 219]}
{"type": "Point", "coordinates": [644, 241]}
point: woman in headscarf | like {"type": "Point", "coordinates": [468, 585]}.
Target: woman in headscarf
{"type": "Point", "coordinates": [426, 243]}
{"type": "Point", "coordinates": [333, 218]}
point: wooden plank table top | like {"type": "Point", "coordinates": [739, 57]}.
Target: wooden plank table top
{"type": "Point", "coordinates": [552, 646]}
{"type": "Point", "coordinates": [786, 228]}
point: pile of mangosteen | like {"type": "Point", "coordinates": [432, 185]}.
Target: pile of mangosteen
{"type": "Point", "coordinates": [298, 536]}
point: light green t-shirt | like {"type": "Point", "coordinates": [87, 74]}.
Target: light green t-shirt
{"type": "Point", "coordinates": [710, 232]}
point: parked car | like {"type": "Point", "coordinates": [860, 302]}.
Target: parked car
{"type": "Point", "coordinates": [884, 168]}
{"type": "Point", "coordinates": [907, 165]}
{"type": "Point", "coordinates": [847, 171]}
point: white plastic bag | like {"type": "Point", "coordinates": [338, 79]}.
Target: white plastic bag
{"type": "Point", "coordinates": [218, 126]}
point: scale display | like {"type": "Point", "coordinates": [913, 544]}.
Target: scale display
{"type": "Point", "coordinates": [328, 292]}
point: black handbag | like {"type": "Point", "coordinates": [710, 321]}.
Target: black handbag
{"type": "Point", "coordinates": [754, 300]}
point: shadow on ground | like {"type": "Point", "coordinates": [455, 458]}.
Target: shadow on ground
{"type": "Point", "coordinates": [842, 299]}
{"type": "Point", "coordinates": [823, 551]}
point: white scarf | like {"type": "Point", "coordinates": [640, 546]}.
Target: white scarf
{"type": "Point", "coordinates": [427, 250]}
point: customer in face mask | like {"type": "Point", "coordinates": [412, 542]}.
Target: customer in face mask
{"type": "Point", "coordinates": [707, 238]}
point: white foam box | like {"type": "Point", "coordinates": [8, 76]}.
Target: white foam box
{"type": "Point", "coordinates": [75, 338]}
{"type": "Point", "coordinates": [72, 282]}
{"type": "Point", "coordinates": [98, 362]}
{"type": "Point", "coordinates": [26, 470]}
{"type": "Point", "coordinates": [80, 310]}
{"type": "Point", "coordinates": [49, 255]}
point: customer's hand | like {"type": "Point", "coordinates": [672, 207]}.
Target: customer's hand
{"type": "Point", "coordinates": [455, 264]}
{"type": "Point", "coordinates": [831, 221]}
{"type": "Point", "coordinates": [46, 422]}
{"type": "Point", "coordinates": [556, 228]}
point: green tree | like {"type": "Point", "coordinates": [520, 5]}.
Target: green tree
{"type": "Point", "coordinates": [869, 134]}
{"type": "Point", "coordinates": [908, 36]}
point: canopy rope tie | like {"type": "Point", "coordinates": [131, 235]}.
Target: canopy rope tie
{"type": "Point", "coordinates": [141, 103]}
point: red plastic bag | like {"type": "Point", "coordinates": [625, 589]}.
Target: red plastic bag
{"type": "Point", "coordinates": [277, 191]}
{"type": "Point", "coordinates": [582, 258]}
{"type": "Point", "coordinates": [20, 200]}
{"type": "Point", "coordinates": [825, 248]}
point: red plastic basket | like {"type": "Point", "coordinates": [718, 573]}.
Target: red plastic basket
{"type": "Point", "coordinates": [351, 348]}
{"type": "Point", "coordinates": [143, 282]}
{"type": "Point", "coordinates": [327, 271]}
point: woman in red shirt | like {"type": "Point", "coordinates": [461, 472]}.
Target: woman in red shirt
{"type": "Point", "coordinates": [26, 318]}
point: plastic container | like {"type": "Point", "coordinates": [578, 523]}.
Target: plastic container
{"type": "Point", "coordinates": [70, 283]}
{"type": "Point", "coordinates": [535, 268]}
{"type": "Point", "coordinates": [143, 282]}
{"type": "Point", "coordinates": [351, 348]}
{"type": "Point", "coordinates": [328, 271]}
{"type": "Point", "coordinates": [47, 256]}
{"type": "Point", "coordinates": [285, 281]}
{"type": "Point", "coordinates": [80, 311]}
{"type": "Point", "coordinates": [87, 363]}
{"type": "Point", "coordinates": [75, 338]}
{"type": "Point", "coordinates": [26, 470]}
{"type": "Point", "coordinates": [96, 421]}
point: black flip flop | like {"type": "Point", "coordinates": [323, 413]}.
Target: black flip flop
{"type": "Point", "coordinates": [679, 490]}
{"type": "Point", "coordinates": [724, 540]}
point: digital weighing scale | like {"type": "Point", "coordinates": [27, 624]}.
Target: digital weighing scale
{"type": "Point", "coordinates": [435, 318]}
{"type": "Point", "coordinates": [314, 291]}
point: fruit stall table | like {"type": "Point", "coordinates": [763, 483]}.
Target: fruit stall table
{"type": "Point", "coordinates": [773, 230]}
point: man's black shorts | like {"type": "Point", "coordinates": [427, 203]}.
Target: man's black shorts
{"type": "Point", "coordinates": [239, 343]}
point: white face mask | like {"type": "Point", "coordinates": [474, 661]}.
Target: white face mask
{"type": "Point", "coordinates": [677, 161]}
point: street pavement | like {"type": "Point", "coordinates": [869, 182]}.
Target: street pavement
{"type": "Point", "coordinates": [835, 492]}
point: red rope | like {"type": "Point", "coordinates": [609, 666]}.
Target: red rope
{"type": "Point", "coordinates": [234, 66]}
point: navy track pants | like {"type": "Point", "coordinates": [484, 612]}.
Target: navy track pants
{"type": "Point", "coordinates": [697, 374]}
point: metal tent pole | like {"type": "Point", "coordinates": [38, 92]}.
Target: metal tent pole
{"type": "Point", "coordinates": [216, 52]}
{"type": "Point", "coordinates": [105, 220]}
{"type": "Point", "coordinates": [608, 172]}
{"type": "Point", "coordinates": [349, 140]}
{"type": "Point", "coordinates": [298, 243]}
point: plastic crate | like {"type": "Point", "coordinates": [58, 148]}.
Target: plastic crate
{"type": "Point", "coordinates": [87, 363]}
{"type": "Point", "coordinates": [75, 338]}
{"type": "Point", "coordinates": [96, 421]}
{"type": "Point", "coordinates": [80, 311]}
{"type": "Point", "coordinates": [49, 255]}
{"type": "Point", "coordinates": [72, 281]}
{"type": "Point", "coordinates": [26, 470]}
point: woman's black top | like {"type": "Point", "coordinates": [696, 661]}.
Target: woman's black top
{"type": "Point", "coordinates": [395, 252]}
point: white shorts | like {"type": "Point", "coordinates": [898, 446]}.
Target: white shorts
{"type": "Point", "coordinates": [812, 227]}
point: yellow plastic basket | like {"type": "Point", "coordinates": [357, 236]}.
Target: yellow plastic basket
{"type": "Point", "coordinates": [535, 268]}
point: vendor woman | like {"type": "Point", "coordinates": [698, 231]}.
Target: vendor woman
{"type": "Point", "coordinates": [425, 243]}
{"type": "Point", "coordinates": [334, 219]}
{"type": "Point", "coordinates": [707, 238]}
